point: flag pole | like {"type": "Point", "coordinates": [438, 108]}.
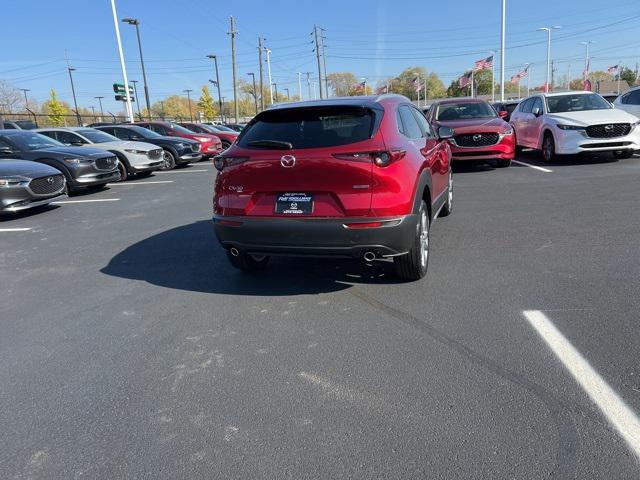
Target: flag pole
{"type": "Point", "coordinates": [619, 72]}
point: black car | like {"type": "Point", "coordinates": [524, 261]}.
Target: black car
{"type": "Point", "coordinates": [28, 184]}
{"type": "Point", "coordinates": [506, 108]}
{"type": "Point", "coordinates": [81, 166]}
{"type": "Point", "coordinates": [177, 151]}
{"type": "Point", "coordinates": [236, 127]}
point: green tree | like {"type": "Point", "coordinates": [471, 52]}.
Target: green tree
{"type": "Point", "coordinates": [206, 104]}
{"type": "Point", "coordinates": [175, 107]}
{"type": "Point", "coordinates": [342, 83]}
{"type": "Point", "coordinates": [404, 84]}
{"type": "Point", "coordinates": [55, 109]}
{"type": "Point", "coordinates": [629, 76]}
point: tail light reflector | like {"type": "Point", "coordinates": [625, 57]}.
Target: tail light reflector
{"type": "Point", "coordinates": [221, 162]}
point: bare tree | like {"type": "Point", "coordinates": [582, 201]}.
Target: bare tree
{"type": "Point", "coordinates": [10, 97]}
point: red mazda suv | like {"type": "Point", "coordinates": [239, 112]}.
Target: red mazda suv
{"type": "Point", "coordinates": [227, 138]}
{"type": "Point", "coordinates": [361, 177]}
{"type": "Point", "coordinates": [210, 145]}
{"type": "Point", "coordinates": [480, 132]}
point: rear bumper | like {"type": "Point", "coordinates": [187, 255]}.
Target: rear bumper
{"type": "Point", "coordinates": [321, 237]}
{"type": "Point", "coordinates": [505, 149]}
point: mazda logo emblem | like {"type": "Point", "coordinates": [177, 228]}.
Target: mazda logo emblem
{"type": "Point", "coordinates": [477, 137]}
{"type": "Point", "coordinates": [50, 180]}
{"type": "Point", "coordinates": [288, 161]}
{"type": "Point", "coordinates": [608, 128]}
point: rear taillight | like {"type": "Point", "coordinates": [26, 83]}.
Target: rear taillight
{"type": "Point", "coordinates": [221, 162]}
{"type": "Point", "coordinates": [380, 158]}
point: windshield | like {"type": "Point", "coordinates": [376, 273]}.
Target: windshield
{"type": "Point", "coordinates": [309, 128]}
{"type": "Point", "coordinates": [464, 111]}
{"type": "Point", "coordinates": [96, 136]}
{"type": "Point", "coordinates": [179, 128]}
{"type": "Point", "coordinates": [32, 141]}
{"type": "Point", "coordinates": [144, 132]}
{"type": "Point", "coordinates": [222, 128]}
{"type": "Point", "coordinates": [576, 102]}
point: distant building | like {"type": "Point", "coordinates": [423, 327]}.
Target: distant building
{"type": "Point", "coordinates": [610, 88]}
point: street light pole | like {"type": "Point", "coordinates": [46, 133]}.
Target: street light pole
{"type": "Point", "coordinates": [548, 30]}
{"type": "Point", "coordinates": [188, 92]}
{"type": "Point", "coordinates": [73, 91]}
{"type": "Point", "coordinates": [101, 111]}
{"type": "Point", "coordinates": [275, 86]}
{"type": "Point", "coordinates": [255, 92]}
{"type": "Point", "coordinates": [122, 64]}
{"type": "Point", "coordinates": [585, 74]}
{"type": "Point", "coordinates": [268, 52]}
{"type": "Point", "coordinates": [136, 22]}
{"type": "Point", "coordinates": [135, 92]}
{"type": "Point", "coordinates": [26, 100]}
{"type": "Point", "coordinates": [288, 95]}
{"type": "Point", "coordinates": [217, 83]}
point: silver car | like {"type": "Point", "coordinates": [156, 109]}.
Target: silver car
{"type": "Point", "coordinates": [134, 158]}
{"type": "Point", "coordinates": [25, 184]}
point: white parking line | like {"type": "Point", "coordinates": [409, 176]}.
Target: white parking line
{"type": "Point", "coordinates": [623, 419]}
{"type": "Point", "coordinates": [15, 229]}
{"type": "Point", "coordinates": [93, 200]}
{"type": "Point", "coordinates": [139, 183]}
{"type": "Point", "coordinates": [183, 171]}
{"type": "Point", "coordinates": [535, 167]}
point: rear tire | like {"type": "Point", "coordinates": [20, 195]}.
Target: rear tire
{"type": "Point", "coordinates": [448, 205]}
{"type": "Point", "coordinates": [548, 148]}
{"type": "Point", "coordinates": [622, 154]}
{"type": "Point", "coordinates": [247, 262]}
{"type": "Point", "coordinates": [503, 163]}
{"type": "Point", "coordinates": [169, 160]}
{"type": "Point", "coordinates": [413, 265]}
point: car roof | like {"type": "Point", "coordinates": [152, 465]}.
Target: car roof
{"type": "Point", "coordinates": [459, 100]}
{"type": "Point", "coordinates": [64, 129]}
{"type": "Point", "coordinates": [360, 100]}
{"type": "Point", "coordinates": [570, 92]}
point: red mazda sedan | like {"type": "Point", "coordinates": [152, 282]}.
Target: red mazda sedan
{"type": "Point", "coordinates": [480, 133]}
{"type": "Point", "coordinates": [361, 177]}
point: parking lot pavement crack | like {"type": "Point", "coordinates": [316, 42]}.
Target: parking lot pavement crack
{"type": "Point", "coordinates": [561, 412]}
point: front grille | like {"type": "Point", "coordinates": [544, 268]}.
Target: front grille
{"type": "Point", "coordinates": [195, 147]}
{"type": "Point", "coordinates": [154, 154]}
{"type": "Point", "coordinates": [47, 185]}
{"type": "Point", "coordinates": [609, 130]}
{"type": "Point", "coordinates": [477, 139]}
{"type": "Point", "coordinates": [107, 163]}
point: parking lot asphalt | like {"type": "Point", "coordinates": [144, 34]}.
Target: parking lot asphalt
{"type": "Point", "coordinates": [130, 348]}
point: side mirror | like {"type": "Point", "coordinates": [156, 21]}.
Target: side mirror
{"type": "Point", "coordinates": [503, 114]}
{"type": "Point", "coordinates": [445, 132]}
{"type": "Point", "coordinates": [536, 111]}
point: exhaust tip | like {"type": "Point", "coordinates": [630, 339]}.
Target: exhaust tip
{"type": "Point", "coordinates": [234, 251]}
{"type": "Point", "coordinates": [369, 256]}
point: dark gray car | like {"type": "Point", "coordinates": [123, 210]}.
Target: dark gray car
{"type": "Point", "coordinates": [26, 184]}
{"type": "Point", "coordinates": [81, 166]}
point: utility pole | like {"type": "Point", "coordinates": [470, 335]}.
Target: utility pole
{"type": "Point", "coordinates": [233, 34]}
{"type": "Point", "coordinates": [308, 74]}
{"type": "Point", "coordinates": [324, 63]}
{"type": "Point", "coordinates": [101, 111]}
{"type": "Point", "coordinates": [268, 52]}
{"type": "Point", "coordinates": [288, 94]}
{"type": "Point", "coordinates": [217, 82]}
{"type": "Point", "coordinates": [275, 86]}
{"type": "Point", "coordinates": [162, 106]}
{"type": "Point", "coordinates": [136, 22]}
{"type": "Point", "coordinates": [135, 92]}
{"type": "Point", "coordinates": [122, 64]}
{"type": "Point", "coordinates": [300, 85]}
{"type": "Point", "coordinates": [553, 72]}
{"type": "Point", "coordinates": [73, 91]}
{"type": "Point", "coordinates": [188, 92]}
{"type": "Point", "coordinates": [260, 49]}
{"type": "Point", "coordinates": [503, 32]}
{"type": "Point", "coordinates": [315, 32]}
{"type": "Point", "coordinates": [255, 92]}
{"type": "Point", "coordinates": [26, 100]}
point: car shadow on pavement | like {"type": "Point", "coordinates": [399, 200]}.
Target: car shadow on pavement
{"type": "Point", "coordinates": [7, 217]}
{"type": "Point", "coordinates": [467, 166]}
{"type": "Point", "coordinates": [535, 158]}
{"type": "Point", "coordinates": [189, 258]}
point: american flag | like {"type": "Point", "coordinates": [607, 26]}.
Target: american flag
{"type": "Point", "coordinates": [416, 84]}
{"type": "Point", "coordinates": [465, 80]}
{"type": "Point", "coordinates": [516, 78]}
{"type": "Point", "coordinates": [484, 64]}
{"type": "Point", "coordinates": [613, 69]}
{"type": "Point", "coordinates": [382, 89]}
{"type": "Point", "coordinates": [520, 75]}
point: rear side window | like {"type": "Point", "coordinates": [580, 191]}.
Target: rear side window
{"type": "Point", "coordinates": [409, 123]}
{"type": "Point", "coordinates": [422, 123]}
{"type": "Point", "coordinates": [310, 127]}
{"type": "Point", "coordinates": [537, 103]}
{"type": "Point", "coordinates": [526, 106]}
{"type": "Point", "coordinates": [632, 98]}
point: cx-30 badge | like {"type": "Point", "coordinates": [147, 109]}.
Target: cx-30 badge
{"type": "Point", "coordinates": [288, 161]}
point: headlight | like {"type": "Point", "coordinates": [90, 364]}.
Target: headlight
{"type": "Point", "coordinates": [203, 139]}
{"type": "Point", "coordinates": [508, 132]}
{"type": "Point", "coordinates": [11, 181]}
{"type": "Point", "coordinates": [180, 145]}
{"type": "Point", "coordinates": [133, 150]}
{"type": "Point", "coordinates": [72, 161]}
{"type": "Point", "coordinates": [634, 125]}
{"type": "Point", "coordinates": [570, 127]}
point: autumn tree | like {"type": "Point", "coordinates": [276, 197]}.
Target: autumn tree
{"type": "Point", "coordinates": [206, 104]}
{"type": "Point", "coordinates": [10, 97]}
{"type": "Point", "coordinates": [55, 109]}
{"type": "Point", "coordinates": [404, 84]}
{"type": "Point", "coordinates": [342, 83]}
{"type": "Point", "coordinates": [629, 76]}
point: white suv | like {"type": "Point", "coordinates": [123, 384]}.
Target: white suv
{"type": "Point", "coordinates": [574, 122]}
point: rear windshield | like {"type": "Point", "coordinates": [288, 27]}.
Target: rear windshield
{"type": "Point", "coordinates": [464, 111]}
{"type": "Point", "coordinates": [310, 127]}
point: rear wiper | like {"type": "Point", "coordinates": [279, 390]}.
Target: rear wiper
{"type": "Point", "coordinates": [276, 144]}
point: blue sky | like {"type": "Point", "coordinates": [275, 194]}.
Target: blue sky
{"type": "Point", "coordinates": [373, 39]}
